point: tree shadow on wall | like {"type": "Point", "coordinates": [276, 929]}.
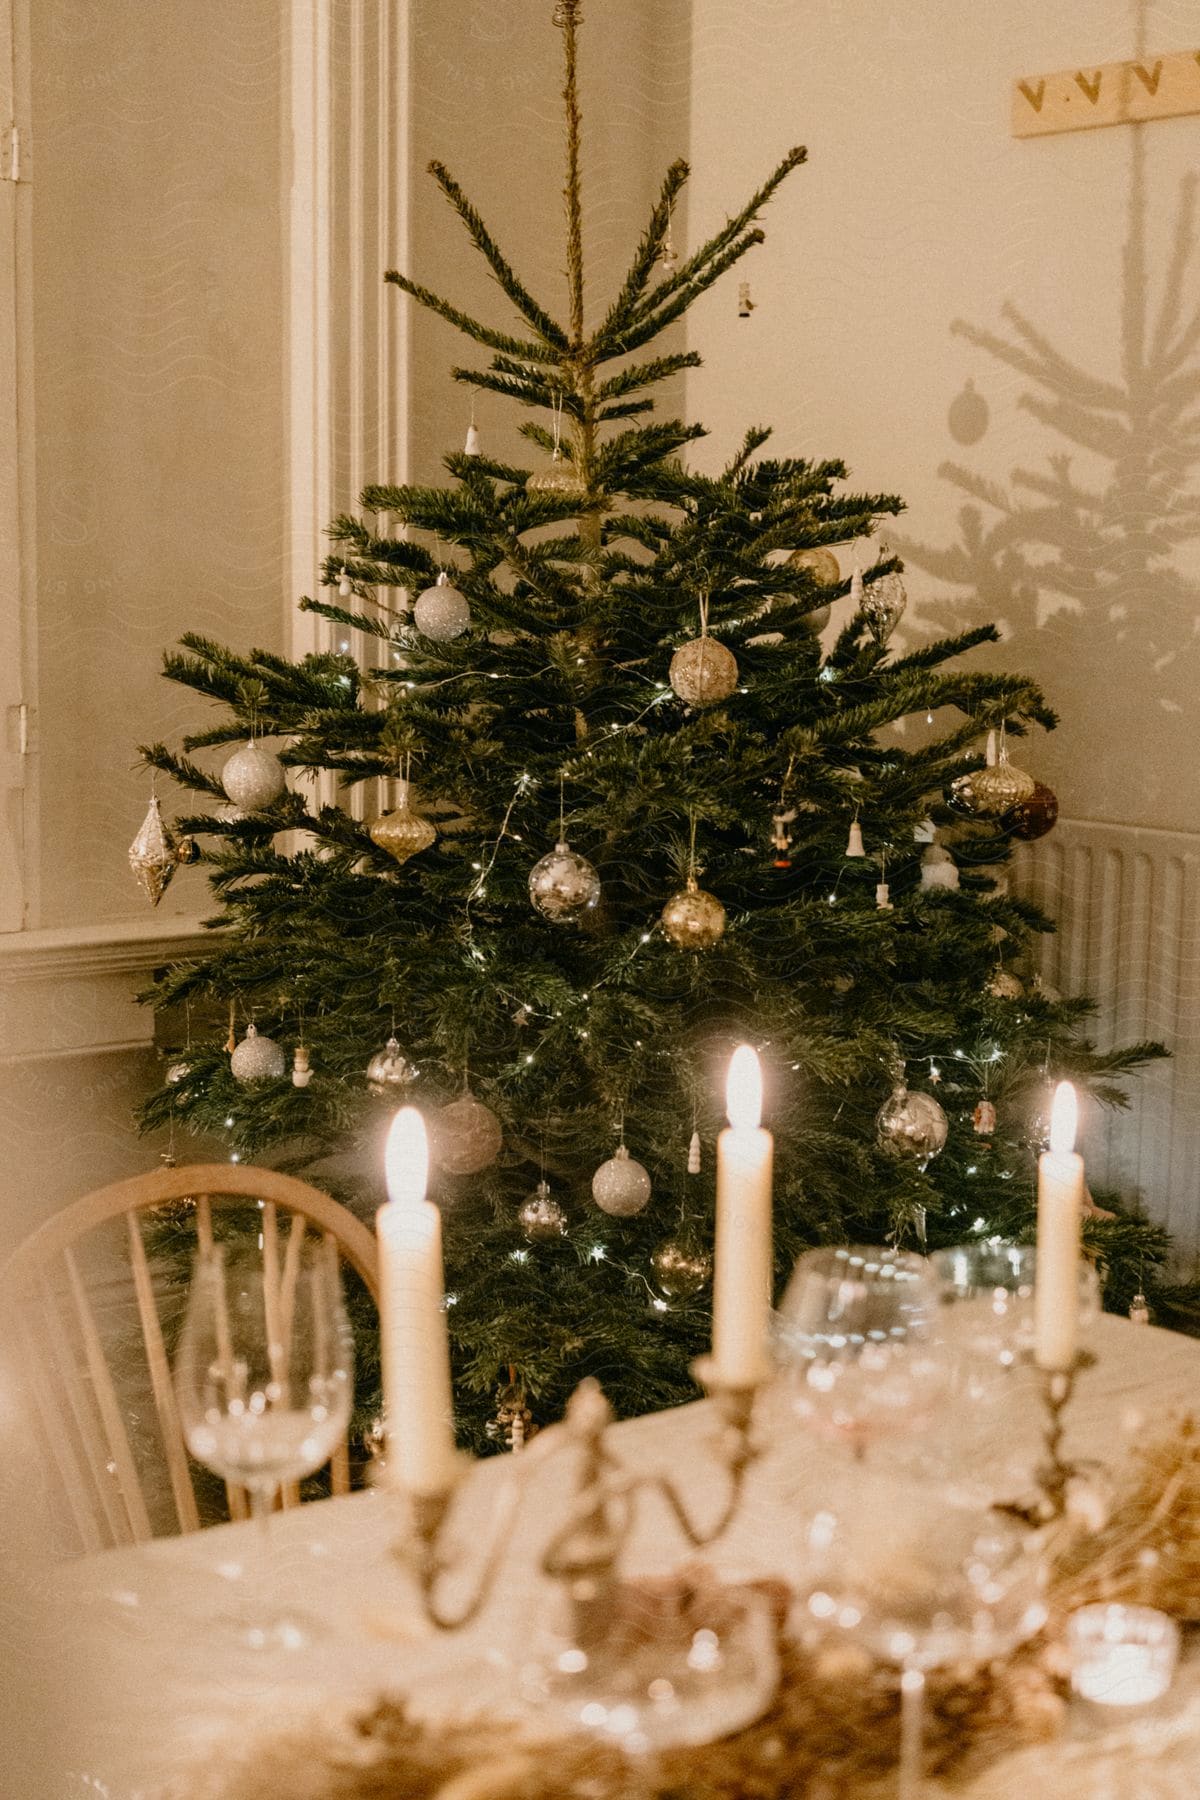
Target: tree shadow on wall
{"type": "Point", "coordinates": [1097, 557]}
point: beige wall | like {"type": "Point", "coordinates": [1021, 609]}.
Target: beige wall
{"type": "Point", "coordinates": [918, 210]}
{"type": "Point", "coordinates": [158, 392]}
{"type": "Point", "coordinates": [485, 101]}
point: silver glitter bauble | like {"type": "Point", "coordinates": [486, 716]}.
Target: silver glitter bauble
{"type": "Point", "coordinates": [389, 1069]}
{"type": "Point", "coordinates": [558, 478]}
{"type": "Point", "coordinates": [703, 672]}
{"type": "Point", "coordinates": [156, 853]}
{"type": "Point", "coordinates": [680, 1270]}
{"type": "Point", "coordinates": [1003, 985]}
{"type": "Point", "coordinates": [938, 868]}
{"type": "Point", "coordinates": [822, 566]}
{"type": "Point", "coordinates": [563, 886]}
{"type": "Point", "coordinates": [541, 1218]}
{"type": "Point", "coordinates": [883, 605]}
{"type": "Point", "coordinates": [621, 1186]}
{"type": "Point", "coordinates": [402, 832]}
{"type": "Point", "coordinates": [466, 1136]}
{"type": "Point", "coordinates": [253, 777]}
{"type": "Point", "coordinates": [911, 1127]}
{"type": "Point", "coordinates": [256, 1058]}
{"type": "Point", "coordinates": [441, 612]}
{"type": "Point", "coordinates": [693, 919]}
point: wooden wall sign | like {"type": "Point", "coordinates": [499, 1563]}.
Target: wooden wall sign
{"type": "Point", "coordinates": [1124, 93]}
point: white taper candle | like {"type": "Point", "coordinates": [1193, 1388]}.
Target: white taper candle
{"type": "Point", "coordinates": [742, 1275]}
{"type": "Point", "coordinates": [1060, 1209]}
{"type": "Point", "coordinates": [415, 1348]}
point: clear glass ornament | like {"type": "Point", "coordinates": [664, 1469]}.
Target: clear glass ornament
{"type": "Point", "coordinates": [911, 1127]}
{"type": "Point", "coordinates": [541, 1218]}
{"type": "Point", "coordinates": [257, 1058]}
{"type": "Point", "coordinates": [563, 886]}
{"type": "Point", "coordinates": [402, 832]}
{"type": "Point", "coordinates": [441, 612]}
{"type": "Point", "coordinates": [621, 1186]}
{"type": "Point", "coordinates": [703, 672]}
{"type": "Point", "coordinates": [883, 605]}
{"type": "Point", "coordinates": [558, 478]}
{"type": "Point", "coordinates": [1004, 985]}
{"type": "Point", "coordinates": [466, 1136]}
{"type": "Point", "coordinates": [693, 919]}
{"type": "Point", "coordinates": [253, 777]}
{"type": "Point", "coordinates": [156, 853]}
{"type": "Point", "coordinates": [680, 1269]}
{"type": "Point", "coordinates": [389, 1069]}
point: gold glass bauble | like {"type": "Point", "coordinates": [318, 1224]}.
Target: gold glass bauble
{"type": "Point", "coordinates": [703, 672]}
{"type": "Point", "coordinates": [541, 1218]}
{"type": "Point", "coordinates": [156, 853]}
{"type": "Point", "coordinates": [1002, 984]}
{"type": "Point", "coordinates": [995, 791]}
{"type": "Point", "coordinates": [402, 832]}
{"type": "Point", "coordinates": [693, 919]}
{"type": "Point", "coordinates": [679, 1269]}
{"type": "Point", "coordinates": [883, 605]}
{"type": "Point", "coordinates": [820, 563]}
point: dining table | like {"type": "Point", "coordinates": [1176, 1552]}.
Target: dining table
{"type": "Point", "coordinates": [146, 1670]}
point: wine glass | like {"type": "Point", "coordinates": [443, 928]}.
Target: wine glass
{"type": "Point", "coordinates": [987, 1291]}
{"type": "Point", "coordinates": [264, 1381]}
{"type": "Point", "coordinates": [937, 1584]}
{"type": "Point", "coordinates": [855, 1336]}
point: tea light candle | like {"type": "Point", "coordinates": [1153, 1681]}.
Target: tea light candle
{"type": "Point", "coordinates": [1122, 1655]}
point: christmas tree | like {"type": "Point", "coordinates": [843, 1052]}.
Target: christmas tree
{"type": "Point", "coordinates": [614, 653]}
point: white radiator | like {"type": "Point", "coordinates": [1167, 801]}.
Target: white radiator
{"type": "Point", "coordinates": [1127, 905]}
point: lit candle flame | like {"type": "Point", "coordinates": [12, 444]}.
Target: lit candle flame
{"type": "Point", "coordinates": [743, 1089]}
{"type": "Point", "coordinates": [1064, 1116]}
{"type": "Point", "coordinates": [406, 1159]}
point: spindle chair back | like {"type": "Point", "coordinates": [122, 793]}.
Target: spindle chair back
{"type": "Point", "coordinates": [79, 1418]}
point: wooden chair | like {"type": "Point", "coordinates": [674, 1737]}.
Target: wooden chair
{"type": "Point", "coordinates": [62, 1360]}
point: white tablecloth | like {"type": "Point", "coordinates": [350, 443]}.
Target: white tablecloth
{"type": "Point", "coordinates": [145, 1676]}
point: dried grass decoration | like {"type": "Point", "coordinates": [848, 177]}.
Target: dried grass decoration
{"type": "Point", "coordinates": [1148, 1552]}
{"type": "Point", "coordinates": [831, 1732]}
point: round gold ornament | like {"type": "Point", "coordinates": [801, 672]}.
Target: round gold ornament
{"type": "Point", "coordinates": [911, 1127]}
{"type": "Point", "coordinates": [693, 919]}
{"type": "Point", "coordinates": [466, 1136]}
{"type": "Point", "coordinates": [389, 1069]}
{"type": "Point", "coordinates": [621, 1186]}
{"type": "Point", "coordinates": [256, 1058]}
{"type": "Point", "coordinates": [563, 886]}
{"type": "Point", "coordinates": [1003, 985]}
{"type": "Point", "coordinates": [679, 1269]}
{"type": "Point", "coordinates": [822, 566]}
{"type": "Point", "coordinates": [402, 832]}
{"type": "Point", "coordinates": [541, 1218]}
{"type": "Point", "coordinates": [703, 672]}
{"type": "Point", "coordinates": [441, 612]}
{"type": "Point", "coordinates": [557, 479]}
{"type": "Point", "coordinates": [253, 777]}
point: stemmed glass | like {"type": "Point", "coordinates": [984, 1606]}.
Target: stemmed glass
{"type": "Point", "coordinates": [856, 1340]}
{"type": "Point", "coordinates": [264, 1381]}
{"type": "Point", "coordinates": [937, 1585]}
{"type": "Point", "coordinates": [987, 1291]}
